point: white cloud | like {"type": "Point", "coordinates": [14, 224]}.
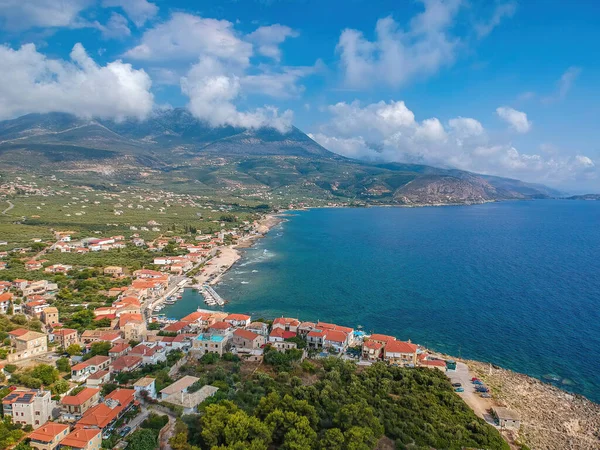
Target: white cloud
{"type": "Point", "coordinates": [398, 55]}
{"type": "Point", "coordinates": [115, 28]}
{"type": "Point", "coordinates": [185, 37]}
{"type": "Point", "coordinates": [502, 11]}
{"type": "Point", "coordinates": [516, 119]}
{"type": "Point", "coordinates": [268, 39]}
{"type": "Point", "coordinates": [139, 11]}
{"type": "Point", "coordinates": [389, 131]}
{"type": "Point", "coordinates": [564, 85]}
{"type": "Point", "coordinates": [23, 14]}
{"type": "Point", "coordinates": [212, 95]}
{"type": "Point", "coordinates": [30, 82]}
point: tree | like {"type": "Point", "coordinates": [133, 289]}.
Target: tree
{"type": "Point", "coordinates": [108, 388]}
{"type": "Point", "coordinates": [60, 387]}
{"type": "Point", "coordinates": [10, 368]}
{"type": "Point", "coordinates": [143, 439]}
{"type": "Point", "coordinates": [333, 439]}
{"type": "Point", "coordinates": [74, 349]}
{"type": "Point", "coordinates": [45, 373]}
{"type": "Point", "coordinates": [98, 348]}
{"type": "Point", "coordinates": [63, 364]}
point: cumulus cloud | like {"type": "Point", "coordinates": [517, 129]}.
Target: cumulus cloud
{"type": "Point", "coordinates": [267, 39]}
{"type": "Point", "coordinates": [115, 28]}
{"type": "Point", "coordinates": [185, 37]}
{"type": "Point", "coordinates": [139, 11]}
{"type": "Point", "coordinates": [516, 119]}
{"type": "Point", "coordinates": [389, 131]}
{"type": "Point", "coordinates": [31, 82]}
{"type": "Point", "coordinates": [212, 95]}
{"type": "Point", "coordinates": [398, 55]}
{"type": "Point", "coordinates": [23, 14]}
{"type": "Point", "coordinates": [501, 12]}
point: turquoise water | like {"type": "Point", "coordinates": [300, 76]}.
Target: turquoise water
{"type": "Point", "coordinates": [516, 283]}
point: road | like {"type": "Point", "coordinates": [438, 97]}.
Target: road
{"type": "Point", "coordinates": [478, 404]}
{"type": "Point", "coordinates": [10, 206]}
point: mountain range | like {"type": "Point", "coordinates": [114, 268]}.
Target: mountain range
{"type": "Point", "coordinates": [173, 150]}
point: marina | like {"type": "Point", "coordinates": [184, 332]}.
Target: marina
{"type": "Point", "coordinates": [211, 297]}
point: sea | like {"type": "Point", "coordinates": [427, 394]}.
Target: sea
{"type": "Point", "coordinates": [516, 284]}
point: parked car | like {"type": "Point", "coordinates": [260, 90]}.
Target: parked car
{"type": "Point", "coordinates": [456, 385]}
{"type": "Point", "coordinates": [486, 395]}
{"type": "Point", "coordinates": [478, 382]}
{"type": "Point", "coordinates": [106, 435]}
{"type": "Point", "coordinates": [125, 431]}
{"type": "Point", "coordinates": [459, 389]}
{"type": "Point", "coordinates": [482, 389]}
{"type": "Point", "coordinates": [475, 379]}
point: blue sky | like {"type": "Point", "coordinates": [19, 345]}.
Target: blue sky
{"type": "Point", "coordinates": [506, 88]}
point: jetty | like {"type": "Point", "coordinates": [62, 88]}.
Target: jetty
{"type": "Point", "coordinates": [211, 297]}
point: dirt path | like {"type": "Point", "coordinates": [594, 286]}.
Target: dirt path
{"type": "Point", "coordinates": [10, 206]}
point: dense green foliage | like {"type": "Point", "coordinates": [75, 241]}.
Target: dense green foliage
{"type": "Point", "coordinates": [9, 433]}
{"type": "Point", "coordinates": [142, 439]}
{"type": "Point", "coordinates": [343, 408]}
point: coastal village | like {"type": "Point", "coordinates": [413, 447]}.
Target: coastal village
{"type": "Point", "coordinates": [116, 360]}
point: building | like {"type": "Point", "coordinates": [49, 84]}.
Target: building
{"type": "Point", "coordinates": [209, 343]}
{"type": "Point", "coordinates": [118, 350]}
{"type": "Point", "coordinates": [50, 316]}
{"type": "Point", "coordinates": [400, 353]}
{"type": "Point", "coordinates": [126, 363]}
{"type": "Point", "coordinates": [74, 406]}
{"type": "Point", "coordinates": [65, 337]}
{"type": "Point", "coordinates": [83, 439]}
{"type": "Point", "coordinates": [336, 340]}
{"type": "Point", "coordinates": [372, 350]}
{"type": "Point", "coordinates": [31, 407]}
{"type": "Point", "coordinates": [133, 327]}
{"type": "Point", "coordinates": [280, 335]}
{"type": "Point", "coordinates": [284, 346]}
{"type": "Point", "coordinates": [316, 338]}
{"type": "Point", "coordinates": [114, 271]}
{"type": "Point", "coordinates": [5, 301]}
{"type": "Point", "coordinates": [26, 344]}
{"type": "Point", "coordinates": [433, 364]}
{"type": "Point", "coordinates": [151, 354]}
{"type": "Point", "coordinates": [238, 320]}
{"type": "Point", "coordinates": [221, 328]}
{"type": "Point", "coordinates": [506, 418]}
{"type": "Point", "coordinates": [247, 339]}
{"type": "Point", "coordinates": [96, 380]}
{"type": "Point", "coordinates": [80, 372]}
{"type": "Point", "coordinates": [91, 336]}
{"type": "Point", "coordinates": [286, 324]}
{"type": "Point", "coordinates": [259, 328]}
{"type": "Point", "coordinates": [104, 414]}
{"type": "Point", "coordinates": [180, 387]}
{"type": "Point", "coordinates": [35, 307]}
{"type": "Point", "coordinates": [47, 437]}
{"type": "Point", "coordinates": [147, 385]}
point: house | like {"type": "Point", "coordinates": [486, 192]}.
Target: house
{"type": "Point", "coordinates": [247, 339]}
{"type": "Point", "coordinates": [306, 327]}
{"type": "Point", "coordinates": [29, 407]}
{"type": "Point", "coordinates": [26, 344]}
{"type": "Point", "coordinates": [133, 327]}
{"type": "Point", "coordinates": [220, 328]}
{"type": "Point", "coordinates": [96, 380]}
{"type": "Point", "coordinates": [284, 346]}
{"type": "Point", "coordinates": [65, 337]}
{"type": "Point", "coordinates": [58, 268]}
{"type": "Point", "coordinates": [381, 338]}
{"type": "Point", "coordinates": [400, 353]}
{"type": "Point", "coordinates": [118, 350]}
{"type": "Point", "coordinates": [151, 354]}
{"type": "Point", "coordinates": [48, 436]}
{"type": "Point", "coordinates": [114, 271]}
{"type": "Point", "coordinates": [259, 328]}
{"type": "Point", "coordinates": [50, 315]}
{"type": "Point", "coordinates": [336, 340]}
{"type": "Point", "coordinates": [506, 418]}
{"type": "Point", "coordinates": [3, 265]}
{"type": "Point", "coordinates": [316, 338]}
{"type": "Point", "coordinates": [80, 372]}
{"type": "Point", "coordinates": [5, 301]}
{"type": "Point", "coordinates": [177, 327]}
{"type": "Point", "coordinates": [433, 364]}
{"type": "Point", "coordinates": [286, 324]}
{"type": "Point", "coordinates": [147, 385]}
{"type": "Point", "coordinates": [74, 406]}
{"type": "Point", "coordinates": [83, 439]}
{"type": "Point", "coordinates": [35, 307]}
{"type": "Point", "coordinates": [181, 386]}
{"type": "Point", "coordinates": [115, 404]}
{"type": "Point", "coordinates": [280, 335]}
{"type": "Point", "coordinates": [209, 343]}
{"type": "Point", "coordinates": [126, 363]}
{"type": "Point", "coordinates": [190, 401]}
{"type": "Point", "coordinates": [33, 265]}
{"type": "Point", "coordinates": [238, 320]}
{"type": "Point", "coordinates": [146, 273]}
{"type": "Point", "coordinates": [91, 336]}
{"type": "Point", "coordinates": [372, 350]}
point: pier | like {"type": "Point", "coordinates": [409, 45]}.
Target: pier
{"type": "Point", "coordinates": [211, 297]}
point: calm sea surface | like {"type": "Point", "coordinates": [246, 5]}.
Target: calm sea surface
{"type": "Point", "coordinates": [515, 283]}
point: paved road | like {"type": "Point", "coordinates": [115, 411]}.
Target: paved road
{"type": "Point", "coordinates": [10, 206]}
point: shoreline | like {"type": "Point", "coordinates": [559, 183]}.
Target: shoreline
{"type": "Point", "coordinates": [552, 418]}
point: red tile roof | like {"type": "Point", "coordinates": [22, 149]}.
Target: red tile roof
{"type": "Point", "coordinates": [220, 326]}
{"type": "Point", "coordinates": [129, 318]}
{"type": "Point", "coordinates": [336, 336]}
{"type": "Point", "coordinates": [80, 437]}
{"type": "Point", "coordinates": [143, 350]}
{"type": "Point", "coordinates": [80, 398]}
{"type": "Point", "coordinates": [400, 347]}
{"type": "Point", "coordinates": [18, 332]}
{"type": "Point", "coordinates": [49, 431]}
{"type": "Point", "coordinates": [118, 348]}
{"type": "Point", "coordinates": [373, 345]}
{"type": "Point", "coordinates": [382, 337]}
{"type": "Point", "coordinates": [433, 363]}
{"type": "Point", "coordinates": [175, 327]}
{"type": "Point", "coordinates": [126, 362]}
{"type": "Point", "coordinates": [64, 332]}
{"type": "Point", "coordinates": [238, 317]}
{"type": "Point", "coordinates": [245, 334]}
{"type": "Point", "coordinates": [286, 321]}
